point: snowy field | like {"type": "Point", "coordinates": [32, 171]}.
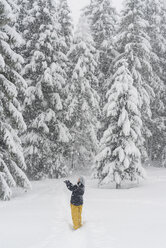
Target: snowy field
{"type": "Point", "coordinates": [127, 218]}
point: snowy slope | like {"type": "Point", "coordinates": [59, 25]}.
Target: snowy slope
{"type": "Point", "coordinates": [127, 218]}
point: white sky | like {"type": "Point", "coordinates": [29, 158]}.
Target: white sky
{"type": "Point", "coordinates": [76, 5]}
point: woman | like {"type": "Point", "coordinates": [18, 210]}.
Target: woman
{"type": "Point", "coordinates": [76, 201]}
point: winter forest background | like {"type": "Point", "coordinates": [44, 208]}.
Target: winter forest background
{"type": "Point", "coordinates": [92, 96]}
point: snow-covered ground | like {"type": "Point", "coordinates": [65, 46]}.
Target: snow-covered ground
{"type": "Point", "coordinates": [127, 218]}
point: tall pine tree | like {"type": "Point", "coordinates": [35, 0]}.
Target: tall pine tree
{"type": "Point", "coordinates": [47, 134]}
{"type": "Point", "coordinates": [66, 26]}
{"type": "Point", "coordinates": [133, 40]}
{"type": "Point", "coordinates": [153, 14]}
{"type": "Point", "coordinates": [12, 164]}
{"type": "Point", "coordinates": [103, 18]}
{"type": "Point", "coordinates": [119, 157]}
{"type": "Point", "coordinates": [65, 35]}
{"type": "Point", "coordinates": [83, 100]}
{"type": "Point", "coordinates": [125, 116]}
{"type": "Point", "coordinates": [163, 66]}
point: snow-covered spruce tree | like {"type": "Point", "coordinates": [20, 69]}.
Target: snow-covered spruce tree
{"type": "Point", "coordinates": [21, 84]}
{"type": "Point", "coordinates": [84, 28]}
{"type": "Point", "coordinates": [47, 135]}
{"type": "Point", "coordinates": [12, 164]}
{"type": "Point", "coordinates": [83, 100]}
{"type": "Point", "coordinates": [163, 33]}
{"type": "Point", "coordinates": [119, 157]}
{"type": "Point", "coordinates": [154, 9]}
{"type": "Point", "coordinates": [22, 12]}
{"type": "Point", "coordinates": [103, 19]}
{"type": "Point", "coordinates": [163, 66]}
{"type": "Point", "coordinates": [66, 25]}
{"type": "Point", "coordinates": [132, 39]}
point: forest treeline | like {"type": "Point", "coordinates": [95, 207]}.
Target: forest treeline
{"type": "Point", "coordinates": [71, 97]}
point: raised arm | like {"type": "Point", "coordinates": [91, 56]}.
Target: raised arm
{"type": "Point", "coordinates": [70, 186]}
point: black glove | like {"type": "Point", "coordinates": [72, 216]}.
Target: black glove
{"type": "Point", "coordinates": [66, 181]}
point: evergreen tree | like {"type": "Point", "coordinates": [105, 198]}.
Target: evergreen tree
{"type": "Point", "coordinates": [163, 34]}
{"type": "Point", "coordinates": [163, 66]}
{"type": "Point", "coordinates": [65, 34]}
{"type": "Point", "coordinates": [66, 26]}
{"type": "Point", "coordinates": [103, 18]}
{"type": "Point", "coordinates": [12, 164]}
{"type": "Point", "coordinates": [133, 42]}
{"type": "Point", "coordinates": [21, 12]}
{"type": "Point", "coordinates": [119, 157]}
{"type": "Point", "coordinates": [47, 135]}
{"type": "Point", "coordinates": [158, 62]}
{"type": "Point", "coordinates": [128, 100]}
{"type": "Point", "coordinates": [84, 28]}
{"type": "Point", "coordinates": [83, 100]}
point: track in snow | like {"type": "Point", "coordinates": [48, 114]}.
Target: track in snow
{"type": "Point", "coordinates": [125, 218]}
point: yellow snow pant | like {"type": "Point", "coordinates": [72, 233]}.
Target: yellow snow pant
{"type": "Point", "coordinates": [76, 215]}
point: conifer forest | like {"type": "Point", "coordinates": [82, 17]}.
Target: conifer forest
{"type": "Point", "coordinates": [93, 95]}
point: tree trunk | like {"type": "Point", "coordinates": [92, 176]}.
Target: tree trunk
{"type": "Point", "coordinates": [118, 186]}
{"type": "Point", "coordinates": [72, 160]}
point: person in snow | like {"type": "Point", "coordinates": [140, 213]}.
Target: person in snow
{"type": "Point", "coordinates": [76, 201]}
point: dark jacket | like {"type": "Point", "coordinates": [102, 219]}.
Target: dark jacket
{"type": "Point", "coordinates": [77, 193]}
